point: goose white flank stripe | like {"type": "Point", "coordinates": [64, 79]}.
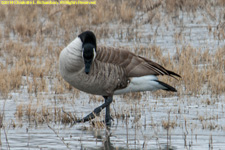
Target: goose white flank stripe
{"type": "Point", "coordinates": [145, 83]}
{"type": "Point", "coordinates": [108, 71]}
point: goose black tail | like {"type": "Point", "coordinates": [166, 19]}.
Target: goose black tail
{"type": "Point", "coordinates": [173, 74]}
{"type": "Point", "coordinates": [166, 86]}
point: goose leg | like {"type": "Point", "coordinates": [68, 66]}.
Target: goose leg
{"type": "Point", "coordinates": [108, 118]}
{"type": "Point", "coordinates": [108, 101]}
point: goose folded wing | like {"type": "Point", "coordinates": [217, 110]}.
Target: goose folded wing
{"type": "Point", "coordinates": [135, 66]}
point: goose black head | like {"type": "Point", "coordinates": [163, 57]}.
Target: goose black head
{"type": "Point", "coordinates": [88, 49]}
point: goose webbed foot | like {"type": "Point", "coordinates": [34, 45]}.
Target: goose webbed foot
{"type": "Point", "coordinates": [90, 116]}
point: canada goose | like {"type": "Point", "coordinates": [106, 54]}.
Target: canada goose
{"type": "Point", "coordinates": [108, 71]}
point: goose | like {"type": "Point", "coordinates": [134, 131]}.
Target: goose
{"type": "Point", "coordinates": [108, 71]}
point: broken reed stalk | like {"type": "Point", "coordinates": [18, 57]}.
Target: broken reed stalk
{"type": "Point", "coordinates": [61, 138]}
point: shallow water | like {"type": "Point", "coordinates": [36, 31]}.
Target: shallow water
{"type": "Point", "coordinates": [142, 125]}
{"type": "Point", "coordinates": [141, 129]}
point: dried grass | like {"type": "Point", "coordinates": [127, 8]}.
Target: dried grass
{"type": "Point", "coordinates": [30, 58]}
{"type": "Point", "coordinates": [127, 12]}
{"type": "Point", "coordinates": [185, 5]}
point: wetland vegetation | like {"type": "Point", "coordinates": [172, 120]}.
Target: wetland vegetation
{"type": "Point", "coordinates": [37, 106]}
